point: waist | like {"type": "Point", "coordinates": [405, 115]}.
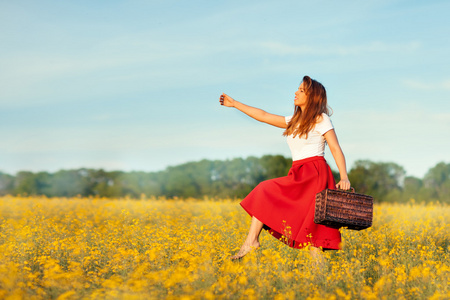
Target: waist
{"type": "Point", "coordinates": [308, 159]}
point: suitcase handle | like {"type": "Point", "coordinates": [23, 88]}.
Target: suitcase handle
{"type": "Point", "coordinates": [350, 190]}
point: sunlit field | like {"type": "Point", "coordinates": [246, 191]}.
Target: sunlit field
{"type": "Point", "coordinates": [82, 248]}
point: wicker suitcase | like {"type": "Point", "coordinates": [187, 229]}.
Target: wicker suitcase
{"type": "Point", "coordinates": [337, 208]}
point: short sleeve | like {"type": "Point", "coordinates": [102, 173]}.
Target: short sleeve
{"type": "Point", "coordinates": [288, 119]}
{"type": "Point", "coordinates": [325, 125]}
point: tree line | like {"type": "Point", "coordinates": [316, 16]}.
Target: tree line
{"type": "Point", "coordinates": [235, 178]}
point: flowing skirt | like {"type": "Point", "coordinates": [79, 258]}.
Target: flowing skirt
{"type": "Point", "coordinates": [286, 205]}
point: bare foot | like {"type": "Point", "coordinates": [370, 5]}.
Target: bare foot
{"type": "Point", "coordinates": [245, 249]}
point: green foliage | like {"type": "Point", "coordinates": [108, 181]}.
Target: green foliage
{"type": "Point", "coordinates": [234, 178]}
{"type": "Point", "coordinates": [6, 183]}
{"type": "Point", "coordinates": [376, 179]}
{"type": "Point", "coordinates": [230, 178]}
{"type": "Point", "coordinates": [387, 182]}
{"type": "Point", "coordinates": [26, 183]}
{"type": "Point", "coordinates": [437, 182]}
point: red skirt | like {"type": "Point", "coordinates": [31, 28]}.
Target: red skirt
{"type": "Point", "coordinates": [286, 205]}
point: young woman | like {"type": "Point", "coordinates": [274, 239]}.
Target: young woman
{"type": "Point", "coordinates": [285, 206]}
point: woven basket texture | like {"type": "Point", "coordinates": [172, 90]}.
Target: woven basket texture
{"type": "Point", "coordinates": [336, 208]}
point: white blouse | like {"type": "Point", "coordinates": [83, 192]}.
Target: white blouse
{"type": "Point", "coordinates": [314, 145]}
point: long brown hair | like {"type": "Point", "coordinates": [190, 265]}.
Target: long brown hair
{"type": "Point", "coordinates": [303, 122]}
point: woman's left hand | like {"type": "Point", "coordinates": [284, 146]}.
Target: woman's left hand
{"type": "Point", "coordinates": [344, 184]}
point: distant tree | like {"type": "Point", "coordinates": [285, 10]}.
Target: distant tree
{"type": "Point", "coordinates": [6, 184]}
{"type": "Point", "coordinates": [437, 182]}
{"type": "Point", "coordinates": [275, 165]}
{"type": "Point", "coordinates": [376, 179]}
{"type": "Point", "coordinates": [70, 183]}
{"type": "Point", "coordinates": [239, 176]}
{"type": "Point", "coordinates": [43, 182]}
{"type": "Point", "coordinates": [135, 184]}
{"type": "Point", "coordinates": [233, 178]}
{"type": "Point", "coordinates": [106, 184]}
{"type": "Point", "coordinates": [25, 183]}
{"type": "Point", "coordinates": [411, 188]}
{"type": "Point", "coordinates": [191, 179]}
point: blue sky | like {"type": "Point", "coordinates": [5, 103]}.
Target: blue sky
{"type": "Point", "coordinates": [135, 85]}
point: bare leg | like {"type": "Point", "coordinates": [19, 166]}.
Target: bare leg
{"type": "Point", "coordinates": [252, 240]}
{"type": "Point", "coordinates": [317, 257]}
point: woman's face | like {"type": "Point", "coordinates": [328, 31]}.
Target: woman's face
{"type": "Point", "coordinates": [300, 96]}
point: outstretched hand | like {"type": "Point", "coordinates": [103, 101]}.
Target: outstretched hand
{"type": "Point", "coordinates": [344, 184]}
{"type": "Point", "coordinates": [226, 100]}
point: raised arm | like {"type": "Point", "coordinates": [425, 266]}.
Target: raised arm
{"type": "Point", "coordinates": [339, 158]}
{"type": "Point", "coordinates": [255, 113]}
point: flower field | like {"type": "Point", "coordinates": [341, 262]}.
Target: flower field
{"type": "Point", "coordinates": [82, 248]}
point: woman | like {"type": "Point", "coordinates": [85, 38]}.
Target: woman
{"type": "Point", "coordinates": [285, 206]}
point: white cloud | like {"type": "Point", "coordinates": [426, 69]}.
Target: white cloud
{"type": "Point", "coordinates": [426, 85]}
{"type": "Point", "coordinates": [278, 48]}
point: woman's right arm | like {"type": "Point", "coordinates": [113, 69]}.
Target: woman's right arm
{"type": "Point", "coordinates": [255, 113]}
